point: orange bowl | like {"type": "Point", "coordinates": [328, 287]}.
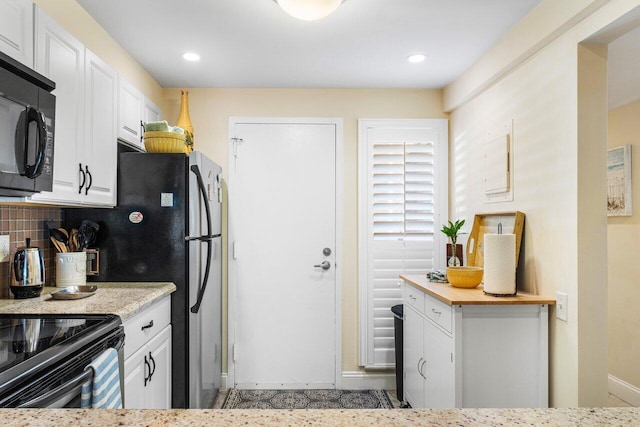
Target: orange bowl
{"type": "Point", "coordinates": [465, 277]}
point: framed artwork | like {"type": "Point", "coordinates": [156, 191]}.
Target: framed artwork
{"type": "Point", "coordinates": [619, 201]}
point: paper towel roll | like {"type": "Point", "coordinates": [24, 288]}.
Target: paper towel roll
{"type": "Point", "coordinates": [500, 264]}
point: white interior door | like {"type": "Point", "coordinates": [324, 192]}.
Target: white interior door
{"type": "Point", "coordinates": [282, 222]}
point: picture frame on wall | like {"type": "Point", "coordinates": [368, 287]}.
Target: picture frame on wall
{"type": "Point", "coordinates": [619, 201]}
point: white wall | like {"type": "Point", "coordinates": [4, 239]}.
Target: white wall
{"type": "Point", "coordinates": [554, 93]}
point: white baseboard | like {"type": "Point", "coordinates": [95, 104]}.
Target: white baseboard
{"type": "Point", "coordinates": [354, 380]}
{"type": "Point", "coordinates": [625, 391]}
{"type": "Point", "coordinates": [359, 380]}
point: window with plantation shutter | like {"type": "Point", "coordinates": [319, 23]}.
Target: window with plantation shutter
{"type": "Point", "coordinates": [402, 203]}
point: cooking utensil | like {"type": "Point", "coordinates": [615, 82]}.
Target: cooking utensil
{"type": "Point", "coordinates": [28, 272]}
{"type": "Point", "coordinates": [58, 245]}
{"type": "Point", "coordinates": [61, 237]}
{"type": "Point", "coordinates": [73, 240]}
{"type": "Point", "coordinates": [87, 234]}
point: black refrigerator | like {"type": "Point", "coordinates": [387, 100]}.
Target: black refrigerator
{"type": "Point", "coordinates": [167, 227]}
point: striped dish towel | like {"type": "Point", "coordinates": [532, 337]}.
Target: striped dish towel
{"type": "Point", "coordinates": [102, 391]}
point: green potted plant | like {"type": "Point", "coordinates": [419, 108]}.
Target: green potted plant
{"type": "Point", "coordinates": [452, 230]}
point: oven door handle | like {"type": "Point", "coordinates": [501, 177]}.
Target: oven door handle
{"type": "Point", "coordinates": [46, 399]}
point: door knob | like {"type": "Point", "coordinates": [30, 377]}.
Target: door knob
{"type": "Point", "coordinates": [325, 265]}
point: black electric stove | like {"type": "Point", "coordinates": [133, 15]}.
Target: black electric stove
{"type": "Point", "coordinates": [40, 354]}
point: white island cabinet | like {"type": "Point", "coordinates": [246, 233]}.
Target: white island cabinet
{"type": "Point", "coordinates": [147, 354]}
{"type": "Point", "coordinates": [465, 349]}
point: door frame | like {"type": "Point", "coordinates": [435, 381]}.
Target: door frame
{"type": "Point", "coordinates": [339, 196]}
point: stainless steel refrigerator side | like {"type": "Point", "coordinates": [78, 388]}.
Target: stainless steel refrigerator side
{"type": "Point", "coordinates": [205, 329]}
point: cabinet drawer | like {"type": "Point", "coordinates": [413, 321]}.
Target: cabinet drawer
{"type": "Point", "coordinates": [414, 298]}
{"type": "Point", "coordinates": [439, 312]}
{"type": "Point", "coordinates": [158, 315]}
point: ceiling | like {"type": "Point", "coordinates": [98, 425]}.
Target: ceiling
{"type": "Point", "coordinates": [253, 43]}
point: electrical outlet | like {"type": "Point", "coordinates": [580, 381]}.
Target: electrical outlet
{"type": "Point", "coordinates": [561, 305]}
{"type": "Point", "coordinates": [4, 248]}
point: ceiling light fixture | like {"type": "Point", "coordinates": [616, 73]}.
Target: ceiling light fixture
{"type": "Point", "coordinates": [415, 58]}
{"type": "Point", "coordinates": [190, 56]}
{"type": "Point", "coordinates": [309, 10]}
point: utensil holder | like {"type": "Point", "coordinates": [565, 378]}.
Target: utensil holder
{"type": "Point", "coordinates": [71, 269]}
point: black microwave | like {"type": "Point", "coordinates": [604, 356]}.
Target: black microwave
{"type": "Point", "coordinates": [27, 123]}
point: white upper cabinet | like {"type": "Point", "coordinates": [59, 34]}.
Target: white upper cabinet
{"type": "Point", "coordinates": [100, 149]}
{"type": "Point", "coordinates": [60, 57]}
{"type": "Point", "coordinates": [85, 146]}
{"type": "Point", "coordinates": [130, 111]}
{"type": "Point", "coordinates": [134, 109]}
{"type": "Point", "coordinates": [16, 30]}
{"type": "Point", "coordinates": [152, 113]}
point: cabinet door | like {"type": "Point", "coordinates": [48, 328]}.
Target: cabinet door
{"type": "Point", "coordinates": [130, 107]}
{"type": "Point", "coordinates": [439, 369]}
{"type": "Point", "coordinates": [135, 371]}
{"type": "Point", "coordinates": [100, 151]}
{"type": "Point", "coordinates": [159, 354]}
{"type": "Point", "coordinates": [16, 30]}
{"type": "Point", "coordinates": [413, 357]}
{"type": "Point", "coordinates": [60, 57]}
{"type": "Point", "coordinates": [152, 113]}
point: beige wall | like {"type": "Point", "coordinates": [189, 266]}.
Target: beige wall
{"type": "Point", "coordinates": [623, 249]}
{"type": "Point", "coordinates": [551, 95]}
{"type": "Point", "coordinates": [210, 110]}
{"type": "Point", "coordinates": [78, 22]}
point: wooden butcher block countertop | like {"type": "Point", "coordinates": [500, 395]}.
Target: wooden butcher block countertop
{"type": "Point", "coordinates": [461, 296]}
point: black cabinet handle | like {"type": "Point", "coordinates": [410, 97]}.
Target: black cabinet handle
{"type": "Point", "coordinates": [147, 367]}
{"type": "Point", "coordinates": [148, 325]}
{"type": "Point", "coordinates": [83, 179]}
{"type": "Point", "coordinates": [153, 371]}
{"type": "Point", "coordinates": [86, 190]}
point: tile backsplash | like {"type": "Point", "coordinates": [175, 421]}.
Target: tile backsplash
{"type": "Point", "coordinates": [20, 222]}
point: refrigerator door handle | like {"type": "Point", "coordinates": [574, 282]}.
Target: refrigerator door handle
{"type": "Point", "coordinates": [206, 238]}
{"type": "Point", "coordinates": [202, 238]}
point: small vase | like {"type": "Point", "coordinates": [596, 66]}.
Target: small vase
{"type": "Point", "coordinates": [453, 261]}
{"type": "Point", "coordinates": [184, 120]}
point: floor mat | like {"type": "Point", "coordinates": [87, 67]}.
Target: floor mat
{"type": "Point", "coordinates": [307, 399]}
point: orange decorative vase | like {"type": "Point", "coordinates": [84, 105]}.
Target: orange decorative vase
{"type": "Point", "coordinates": [184, 120]}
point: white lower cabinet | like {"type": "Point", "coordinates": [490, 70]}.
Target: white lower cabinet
{"type": "Point", "coordinates": [428, 363]}
{"type": "Point", "coordinates": [147, 365]}
{"type": "Point", "coordinates": [466, 355]}
{"type": "Point", "coordinates": [147, 380]}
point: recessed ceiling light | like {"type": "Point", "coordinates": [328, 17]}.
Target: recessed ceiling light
{"type": "Point", "coordinates": [418, 57]}
{"type": "Point", "coordinates": [190, 56]}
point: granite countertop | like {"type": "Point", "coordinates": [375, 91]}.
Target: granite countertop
{"type": "Point", "coordinates": [583, 417]}
{"type": "Point", "coordinates": [461, 296]}
{"type": "Point", "coordinates": [123, 299]}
